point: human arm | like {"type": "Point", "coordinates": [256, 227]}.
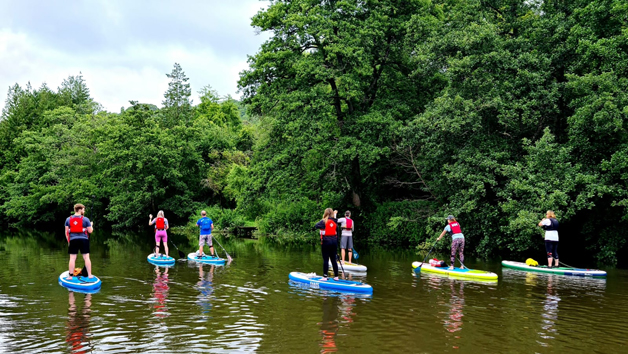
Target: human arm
{"type": "Point", "coordinates": [167, 225]}
{"type": "Point", "coordinates": [447, 228]}
{"type": "Point", "coordinates": [67, 233]}
{"type": "Point", "coordinates": [89, 227]}
{"type": "Point", "coordinates": [545, 222]}
{"type": "Point", "coordinates": [150, 219]}
{"type": "Point", "coordinates": [320, 225]}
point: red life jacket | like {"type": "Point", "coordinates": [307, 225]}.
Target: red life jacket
{"type": "Point", "coordinates": [348, 224]}
{"type": "Point", "coordinates": [160, 224]}
{"type": "Point", "coordinates": [330, 228]}
{"type": "Point", "coordinates": [76, 224]}
{"type": "Point", "coordinates": [455, 228]}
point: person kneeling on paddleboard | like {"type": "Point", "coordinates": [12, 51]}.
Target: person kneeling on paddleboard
{"type": "Point", "coordinates": [550, 225]}
{"type": "Point", "coordinates": [207, 225]}
{"type": "Point", "coordinates": [77, 228]}
{"type": "Point", "coordinates": [329, 241]}
{"type": "Point", "coordinates": [161, 225]}
{"type": "Point", "coordinates": [457, 240]}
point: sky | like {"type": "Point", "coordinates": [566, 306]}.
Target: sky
{"type": "Point", "coordinates": [125, 48]}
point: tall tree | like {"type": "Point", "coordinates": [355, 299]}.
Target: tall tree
{"type": "Point", "coordinates": [177, 103]}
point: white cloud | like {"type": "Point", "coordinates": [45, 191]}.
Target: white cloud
{"type": "Point", "coordinates": [124, 49]}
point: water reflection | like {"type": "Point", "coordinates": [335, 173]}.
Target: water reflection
{"type": "Point", "coordinates": [160, 292]}
{"type": "Point", "coordinates": [77, 329]}
{"type": "Point", "coordinates": [329, 325]}
{"type": "Point", "coordinates": [550, 308]}
{"type": "Point", "coordinates": [206, 288]}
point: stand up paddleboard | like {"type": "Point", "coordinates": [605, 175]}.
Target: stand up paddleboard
{"type": "Point", "coordinates": [160, 260]}
{"type": "Point", "coordinates": [206, 259]}
{"type": "Point", "coordinates": [596, 273]}
{"type": "Point", "coordinates": [456, 272]}
{"type": "Point", "coordinates": [317, 282]}
{"type": "Point", "coordinates": [350, 267]}
{"type": "Point", "coordinates": [79, 283]}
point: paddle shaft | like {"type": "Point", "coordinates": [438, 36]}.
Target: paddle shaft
{"type": "Point", "coordinates": [428, 254]}
{"type": "Point", "coordinates": [228, 256]}
{"type": "Point", "coordinates": [181, 254]}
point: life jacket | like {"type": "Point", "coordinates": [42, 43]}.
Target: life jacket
{"type": "Point", "coordinates": [455, 228]}
{"type": "Point", "coordinates": [330, 227]}
{"type": "Point", "coordinates": [348, 224]}
{"type": "Point", "coordinates": [76, 224]}
{"type": "Point", "coordinates": [160, 224]}
{"type": "Point", "coordinates": [553, 226]}
{"type": "Point", "coordinates": [436, 263]}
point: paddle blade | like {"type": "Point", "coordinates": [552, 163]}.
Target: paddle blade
{"type": "Point", "coordinates": [84, 272]}
{"type": "Point", "coordinates": [229, 258]}
{"type": "Point", "coordinates": [181, 254]}
{"type": "Point", "coordinates": [355, 254]}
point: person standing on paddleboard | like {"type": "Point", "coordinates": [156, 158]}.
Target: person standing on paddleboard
{"type": "Point", "coordinates": [77, 230]}
{"type": "Point", "coordinates": [457, 240]}
{"type": "Point", "coordinates": [207, 225]}
{"type": "Point", "coordinates": [550, 225]}
{"type": "Point", "coordinates": [161, 225]}
{"type": "Point", "coordinates": [329, 241]}
{"type": "Point", "coordinates": [346, 240]}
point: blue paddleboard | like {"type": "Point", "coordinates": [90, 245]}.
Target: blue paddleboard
{"type": "Point", "coordinates": [160, 259]}
{"type": "Point", "coordinates": [80, 283]}
{"type": "Point", "coordinates": [317, 282]}
{"type": "Point", "coordinates": [206, 259]}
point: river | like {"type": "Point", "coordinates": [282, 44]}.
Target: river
{"type": "Point", "coordinates": [249, 305]}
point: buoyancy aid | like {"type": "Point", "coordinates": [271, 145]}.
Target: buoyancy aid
{"type": "Point", "coordinates": [160, 224]}
{"type": "Point", "coordinates": [553, 226]}
{"type": "Point", "coordinates": [76, 224]}
{"type": "Point", "coordinates": [348, 224]}
{"type": "Point", "coordinates": [455, 228]}
{"type": "Point", "coordinates": [330, 227]}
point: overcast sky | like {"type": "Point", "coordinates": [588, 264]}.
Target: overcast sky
{"type": "Point", "coordinates": [125, 48]}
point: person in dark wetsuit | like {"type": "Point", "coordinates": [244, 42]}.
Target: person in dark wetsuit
{"type": "Point", "coordinates": [329, 241]}
{"type": "Point", "coordinates": [550, 225]}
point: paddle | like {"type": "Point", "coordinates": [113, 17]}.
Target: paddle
{"type": "Point", "coordinates": [181, 254]}
{"type": "Point", "coordinates": [465, 267]}
{"type": "Point", "coordinates": [341, 266]}
{"type": "Point", "coordinates": [425, 259]}
{"type": "Point", "coordinates": [228, 256]}
{"type": "Point", "coordinates": [355, 254]}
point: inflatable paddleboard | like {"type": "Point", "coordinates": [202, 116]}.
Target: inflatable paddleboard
{"type": "Point", "coordinates": [456, 272]}
{"type": "Point", "coordinates": [317, 282]}
{"type": "Point", "coordinates": [79, 283]}
{"type": "Point", "coordinates": [161, 259]}
{"type": "Point", "coordinates": [350, 267]}
{"type": "Point", "coordinates": [206, 259]}
{"type": "Point", "coordinates": [558, 270]}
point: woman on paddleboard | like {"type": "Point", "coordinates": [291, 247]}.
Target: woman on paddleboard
{"type": "Point", "coordinates": [161, 225]}
{"type": "Point", "coordinates": [329, 241]}
{"type": "Point", "coordinates": [457, 241]}
{"type": "Point", "coordinates": [550, 225]}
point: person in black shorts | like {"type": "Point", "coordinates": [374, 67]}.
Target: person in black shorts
{"type": "Point", "coordinates": [77, 230]}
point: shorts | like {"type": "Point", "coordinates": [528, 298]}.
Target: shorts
{"type": "Point", "coordinates": [161, 235]}
{"type": "Point", "coordinates": [205, 239]}
{"type": "Point", "coordinates": [77, 245]}
{"type": "Point", "coordinates": [346, 242]}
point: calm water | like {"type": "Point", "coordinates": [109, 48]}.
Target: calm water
{"type": "Point", "coordinates": [250, 306]}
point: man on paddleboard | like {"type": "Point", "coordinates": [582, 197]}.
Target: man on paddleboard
{"type": "Point", "coordinates": [77, 230]}
{"type": "Point", "coordinates": [346, 240]}
{"type": "Point", "coordinates": [457, 240]}
{"type": "Point", "coordinates": [206, 225]}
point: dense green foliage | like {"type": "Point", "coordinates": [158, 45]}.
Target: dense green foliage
{"type": "Point", "coordinates": [494, 111]}
{"type": "Point", "coordinates": [401, 111]}
{"type": "Point", "coordinates": [59, 148]}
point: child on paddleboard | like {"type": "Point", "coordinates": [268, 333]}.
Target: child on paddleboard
{"type": "Point", "coordinates": [329, 241]}
{"type": "Point", "coordinates": [346, 241]}
{"type": "Point", "coordinates": [457, 240]}
{"type": "Point", "coordinates": [161, 225]}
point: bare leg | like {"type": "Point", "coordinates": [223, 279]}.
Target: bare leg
{"type": "Point", "coordinates": [350, 254]}
{"type": "Point", "coordinates": [71, 265]}
{"type": "Point", "coordinates": [156, 249]}
{"type": "Point", "coordinates": [211, 249]}
{"type": "Point", "coordinates": [342, 255]}
{"type": "Point", "coordinates": [88, 265]}
{"type": "Point", "coordinates": [166, 248]}
{"type": "Point", "coordinates": [549, 262]}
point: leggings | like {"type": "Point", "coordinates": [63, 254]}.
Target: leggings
{"type": "Point", "coordinates": [328, 248]}
{"type": "Point", "coordinates": [551, 247]}
{"type": "Point", "coordinates": [458, 244]}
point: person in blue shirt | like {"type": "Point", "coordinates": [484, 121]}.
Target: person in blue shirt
{"type": "Point", "coordinates": [206, 225]}
{"type": "Point", "coordinates": [77, 228]}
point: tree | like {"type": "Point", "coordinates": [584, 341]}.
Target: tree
{"type": "Point", "coordinates": [177, 103]}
